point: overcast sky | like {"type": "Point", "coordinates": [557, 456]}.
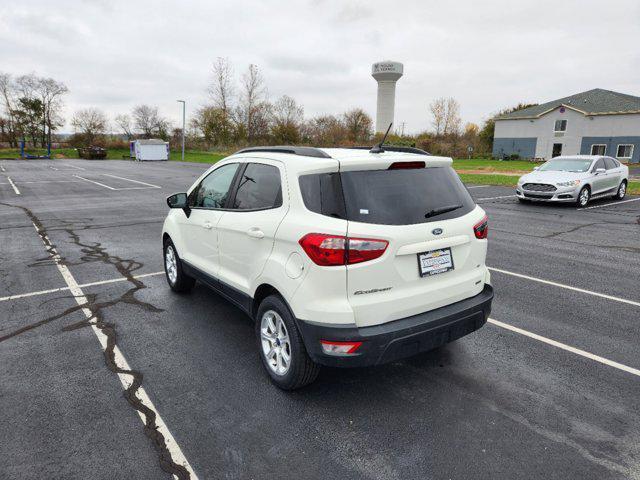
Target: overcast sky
{"type": "Point", "coordinates": [115, 54]}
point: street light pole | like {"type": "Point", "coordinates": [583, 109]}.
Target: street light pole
{"type": "Point", "coordinates": [184, 106]}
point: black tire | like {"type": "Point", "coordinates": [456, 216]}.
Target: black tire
{"type": "Point", "coordinates": [622, 190]}
{"type": "Point", "coordinates": [583, 198]}
{"type": "Point", "coordinates": [301, 370]}
{"type": "Point", "coordinates": [183, 283]}
{"type": "Point", "coordinates": [523, 200]}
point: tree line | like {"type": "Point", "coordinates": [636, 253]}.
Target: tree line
{"type": "Point", "coordinates": [238, 112]}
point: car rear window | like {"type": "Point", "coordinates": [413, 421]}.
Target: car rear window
{"type": "Point", "coordinates": [389, 197]}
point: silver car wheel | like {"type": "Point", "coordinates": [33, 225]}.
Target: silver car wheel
{"type": "Point", "coordinates": [276, 346]}
{"type": "Point", "coordinates": [584, 197]}
{"type": "Point", "coordinates": [622, 190]}
{"type": "Point", "coordinates": [171, 264]}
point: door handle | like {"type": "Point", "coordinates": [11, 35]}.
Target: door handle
{"type": "Point", "coordinates": [207, 225]}
{"type": "Point", "coordinates": [255, 232]}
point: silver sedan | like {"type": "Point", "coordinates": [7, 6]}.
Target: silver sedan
{"type": "Point", "coordinates": [577, 179]}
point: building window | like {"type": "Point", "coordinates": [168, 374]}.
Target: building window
{"type": "Point", "coordinates": [625, 151]}
{"type": "Point", "coordinates": [598, 149]}
{"type": "Point", "coordinates": [560, 126]}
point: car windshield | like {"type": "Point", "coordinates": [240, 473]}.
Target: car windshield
{"type": "Point", "coordinates": [566, 165]}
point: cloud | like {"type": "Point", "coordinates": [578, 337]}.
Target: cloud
{"type": "Point", "coordinates": [116, 54]}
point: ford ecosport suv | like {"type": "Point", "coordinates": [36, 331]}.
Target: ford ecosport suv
{"type": "Point", "coordinates": [343, 257]}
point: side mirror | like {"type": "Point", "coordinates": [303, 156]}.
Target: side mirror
{"type": "Point", "coordinates": [600, 170]}
{"type": "Point", "coordinates": [177, 200]}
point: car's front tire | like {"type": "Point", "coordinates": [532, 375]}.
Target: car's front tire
{"type": "Point", "coordinates": [281, 348]}
{"type": "Point", "coordinates": [176, 278]}
{"type": "Point", "coordinates": [622, 190]}
{"type": "Point", "coordinates": [583, 197]}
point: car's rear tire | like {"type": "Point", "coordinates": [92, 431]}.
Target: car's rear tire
{"type": "Point", "coordinates": [523, 200]}
{"type": "Point", "coordinates": [622, 190]}
{"type": "Point", "coordinates": [583, 197]}
{"type": "Point", "coordinates": [281, 348]}
{"type": "Point", "coordinates": [176, 278]}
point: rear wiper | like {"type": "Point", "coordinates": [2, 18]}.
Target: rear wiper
{"type": "Point", "coordinates": [438, 211]}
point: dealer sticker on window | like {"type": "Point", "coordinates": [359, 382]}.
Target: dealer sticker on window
{"type": "Point", "coordinates": [435, 262]}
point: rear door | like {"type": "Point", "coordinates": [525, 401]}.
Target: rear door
{"type": "Point", "coordinates": [614, 173]}
{"type": "Point", "coordinates": [433, 258]}
{"type": "Point", "coordinates": [247, 229]}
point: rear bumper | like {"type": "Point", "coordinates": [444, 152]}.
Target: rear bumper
{"type": "Point", "coordinates": [400, 338]}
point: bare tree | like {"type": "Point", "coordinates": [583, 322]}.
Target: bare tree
{"type": "Point", "coordinates": [452, 118]}
{"type": "Point", "coordinates": [7, 92]}
{"type": "Point", "coordinates": [48, 92]}
{"type": "Point", "coordinates": [90, 123]}
{"type": "Point", "coordinates": [221, 89]}
{"type": "Point", "coordinates": [252, 107]}
{"type": "Point", "coordinates": [124, 122]}
{"type": "Point", "coordinates": [288, 117]}
{"type": "Point", "coordinates": [438, 110]}
{"type": "Point", "coordinates": [358, 125]}
{"type": "Point", "coordinates": [149, 123]}
{"type": "Point", "coordinates": [326, 130]}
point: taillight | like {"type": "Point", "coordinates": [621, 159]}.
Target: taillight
{"type": "Point", "coordinates": [339, 348]}
{"type": "Point", "coordinates": [481, 229]}
{"type": "Point", "coordinates": [332, 250]}
{"type": "Point", "coordinates": [403, 165]}
{"type": "Point", "coordinates": [365, 249]}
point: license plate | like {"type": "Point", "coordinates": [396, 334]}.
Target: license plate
{"type": "Point", "coordinates": [435, 262]}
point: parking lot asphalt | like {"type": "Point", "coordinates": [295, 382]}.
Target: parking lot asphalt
{"type": "Point", "coordinates": [548, 389]}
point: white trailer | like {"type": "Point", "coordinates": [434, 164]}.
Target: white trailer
{"type": "Point", "coordinates": [150, 150]}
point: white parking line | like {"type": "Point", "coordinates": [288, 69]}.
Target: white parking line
{"type": "Point", "coordinates": [83, 285]}
{"type": "Point", "coordinates": [134, 181]}
{"type": "Point", "coordinates": [479, 186]}
{"type": "Point", "coordinates": [495, 198]}
{"type": "Point", "coordinates": [15, 189]}
{"type": "Point", "coordinates": [2, 169]}
{"type": "Point", "coordinates": [610, 204]}
{"type": "Point", "coordinates": [97, 183]}
{"type": "Point", "coordinates": [568, 348]}
{"type": "Point", "coordinates": [73, 166]}
{"type": "Point", "coordinates": [125, 379]}
{"type": "Point", "coordinates": [568, 287]}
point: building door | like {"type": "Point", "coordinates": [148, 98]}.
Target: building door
{"type": "Point", "coordinates": [557, 150]}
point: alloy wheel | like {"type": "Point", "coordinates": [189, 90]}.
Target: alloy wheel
{"type": "Point", "coordinates": [584, 197]}
{"type": "Point", "coordinates": [276, 345]}
{"type": "Point", "coordinates": [171, 264]}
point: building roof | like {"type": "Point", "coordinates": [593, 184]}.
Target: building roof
{"type": "Point", "coordinates": [591, 102]}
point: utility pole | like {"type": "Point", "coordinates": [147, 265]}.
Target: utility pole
{"type": "Point", "coordinates": [402, 134]}
{"type": "Point", "coordinates": [184, 106]}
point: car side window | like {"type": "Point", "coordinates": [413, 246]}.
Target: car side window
{"type": "Point", "coordinates": [213, 191]}
{"type": "Point", "coordinates": [599, 164]}
{"type": "Point", "coordinates": [259, 187]}
{"type": "Point", "coordinates": [610, 163]}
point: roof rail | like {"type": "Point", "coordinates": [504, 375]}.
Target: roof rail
{"type": "Point", "coordinates": [304, 151]}
{"type": "Point", "coordinates": [393, 148]}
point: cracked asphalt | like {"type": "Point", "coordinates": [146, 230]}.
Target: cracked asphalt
{"type": "Point", "coordinates": [495, 404]}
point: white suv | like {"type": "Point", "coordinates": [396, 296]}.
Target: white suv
{"type": "Point", "coordinates": [343, 257]}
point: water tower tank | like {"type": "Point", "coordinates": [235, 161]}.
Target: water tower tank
{"type": "Point", "coordinates": [386, 74]}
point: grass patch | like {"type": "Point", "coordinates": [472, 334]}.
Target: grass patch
{"type": "Point", "coordinates": [114, 154]}
{"type": "Point", "coordinates": [488, 179]}
{"type": "Point", "coordinates": [493, 165]}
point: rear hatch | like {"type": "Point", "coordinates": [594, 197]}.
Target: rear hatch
{"type": "Point", "coordinates": [427, 217]}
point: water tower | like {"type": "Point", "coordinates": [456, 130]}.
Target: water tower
{"type": "Point", "coordinates": [386, 74]}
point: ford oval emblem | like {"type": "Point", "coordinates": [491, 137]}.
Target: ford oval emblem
{"type": "Point", "coordinates": [436, 231]}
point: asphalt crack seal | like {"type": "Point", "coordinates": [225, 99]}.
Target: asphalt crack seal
{"type": "Point", "coordinates": [171, 458]}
